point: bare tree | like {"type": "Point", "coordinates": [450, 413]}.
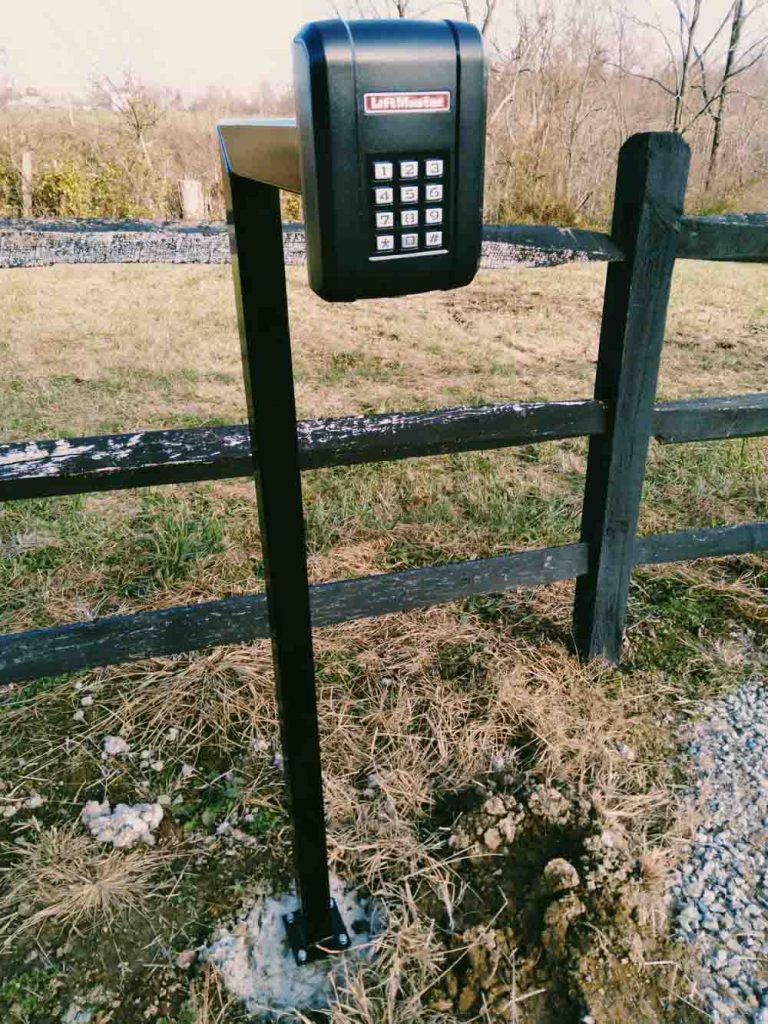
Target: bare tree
{"type": "Point", "coordinates": [483, 16]}
{"type": "Point", "coordinates": [140, 107]}
{"type": "Point", "coordinates": [683, 58]}
{"type": "Point", "coordinates": [736, 63]}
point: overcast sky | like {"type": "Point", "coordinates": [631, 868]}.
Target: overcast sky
{"type": "Point", "coordinates": [60, 46]}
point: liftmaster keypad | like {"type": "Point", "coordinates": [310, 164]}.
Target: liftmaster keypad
{"type": "Point", "coordinates": [391, 117]}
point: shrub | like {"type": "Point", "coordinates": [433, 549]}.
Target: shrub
{"type": "Point", "coordinates": [61, 191]}
{"type": "Point", "coordinates": [10, 190]}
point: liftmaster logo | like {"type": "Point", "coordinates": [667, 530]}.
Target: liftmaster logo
{"type": "Point", "coordinates": [407, 102]}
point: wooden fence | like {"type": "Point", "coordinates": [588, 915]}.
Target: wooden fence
{"type": "Point", "coordinates": [648, 234]}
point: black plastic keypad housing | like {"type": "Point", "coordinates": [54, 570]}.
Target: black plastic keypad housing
{"type": "Point", "coordinates": [384, 105]}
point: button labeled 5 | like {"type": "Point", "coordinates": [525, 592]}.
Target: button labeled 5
{"type": "Point", "coordinates": [410, 193]}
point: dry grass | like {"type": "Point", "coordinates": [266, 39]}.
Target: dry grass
{"type": "Point", "coordinates": [87, 358]}
{"type": "Point", "coordinates": [62, 876]}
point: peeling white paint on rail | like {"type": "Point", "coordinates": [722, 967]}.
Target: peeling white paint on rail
{"type": "Point", "coordinates": [32, 452]}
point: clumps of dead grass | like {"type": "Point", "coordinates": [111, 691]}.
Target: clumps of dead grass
{"type": "Point", "coordinates": [62, 877]}
{"type": "Point", "coordinates": [219, 700]}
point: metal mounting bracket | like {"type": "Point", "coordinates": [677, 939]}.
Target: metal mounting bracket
{"type": "Point", "coordinates": [303, 952]}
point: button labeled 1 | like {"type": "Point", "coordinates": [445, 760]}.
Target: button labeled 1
{"type": "Point", "coordinates": [382, 171]}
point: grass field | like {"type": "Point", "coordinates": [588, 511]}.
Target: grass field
{"type": "Point", "coordinates": [442, 708]}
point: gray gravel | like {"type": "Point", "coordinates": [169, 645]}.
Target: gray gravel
{"type": "Point", "coordinates": [42, 243]}
{"type": "Point", "coordinates": [720, 892]}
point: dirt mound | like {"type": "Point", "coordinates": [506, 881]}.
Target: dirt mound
{"type": "Point", "coordinates": [559, 916]}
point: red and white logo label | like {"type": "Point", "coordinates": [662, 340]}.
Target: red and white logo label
{"type": "Point", "coordinates": [407, 102]}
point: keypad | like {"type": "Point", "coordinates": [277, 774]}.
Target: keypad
{"type": "Point", "coordinates": [408, 213]}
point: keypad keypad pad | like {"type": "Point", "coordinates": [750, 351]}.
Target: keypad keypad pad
{"type": "Point", "coordinates": [407, 200]}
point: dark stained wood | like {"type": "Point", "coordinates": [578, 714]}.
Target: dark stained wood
{"type": "Point", "coordinates": [702, 543]}
{"type": "Point", "coordinates": [146, 458]}
{"type": "Point", "coordinates": [737, 237]}
{"type": "Point", "coordinates": [707, 419]}
{"type": "Point", "coordinates": [118, 639]}
{"type": "Point", "coordinates": [650, 189]}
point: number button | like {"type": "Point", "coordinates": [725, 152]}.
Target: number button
{"type": "Point", "coordinates": [410, 193]}
{"type": "Point", "coordinates": [409, 241]}
{"type": "Point", "coordinates": [385, 243]}
{"type": "Point", "coordinates": [385, 219]}
{"type": "Point", "coordinates": [434, 215]}
{"type": "Point", "coordinates": [409, 168]}
{"type": "Point", "coordinates": [434, 239]}
{"type": "Point", "coordinates": [434, 193]}
{"type": "Point", "coordinates": [433, 168]}
{"type": "Point", "coordinates": [383, 171]}
{"type": "Point", "coordinates": [384, 196]}
{"type": "Point", "coordinates": [409, 218]}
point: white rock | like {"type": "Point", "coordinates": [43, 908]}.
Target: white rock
{"type": "Point", "coordinates": [115, 745]}
{"type": "Point", "coordinates": [124, 827]}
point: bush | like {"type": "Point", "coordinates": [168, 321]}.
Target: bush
{"type": "Point", "coordinates": [10, 190]}
{"type": "Point", "coordinates": [62, 191]}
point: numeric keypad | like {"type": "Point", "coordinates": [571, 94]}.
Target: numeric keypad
{"type": "Point", "coordinates": [408, 199]}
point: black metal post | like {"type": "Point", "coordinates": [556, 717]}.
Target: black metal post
{"type": "Point", "coordinates": [262, 308]}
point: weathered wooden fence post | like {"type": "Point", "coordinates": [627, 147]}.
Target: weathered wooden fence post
{"type": "Point", "coordinates": [650, 189]}
{"type": "Point", "coordinates": [192, 199]}
{"type": "Point", "coordinates": [26, 183]}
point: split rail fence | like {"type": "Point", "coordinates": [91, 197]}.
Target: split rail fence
{"type": "Point", "coordinates": [648, 234]}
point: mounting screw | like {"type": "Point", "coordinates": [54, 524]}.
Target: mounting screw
{"type": "Point", "coordinates": [289, 918]}
{"type": "Point", "coordinates": [343, 939]}
{"type": "Point", "coordinates": [301, 956]}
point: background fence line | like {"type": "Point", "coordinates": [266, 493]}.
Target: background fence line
{"type": "Point", "coordinates": [42, 243]}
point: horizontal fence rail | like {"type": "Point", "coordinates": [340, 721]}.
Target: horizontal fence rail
{"type": "Point", "coordinates": [46, 468]}
{"type": "Point", "coordinates": [738, 237]}
{"type": "Point", "coordinates": [236, 620]}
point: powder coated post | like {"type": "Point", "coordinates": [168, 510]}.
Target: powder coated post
{"type": "Point", "coordinates": [256, 158]}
